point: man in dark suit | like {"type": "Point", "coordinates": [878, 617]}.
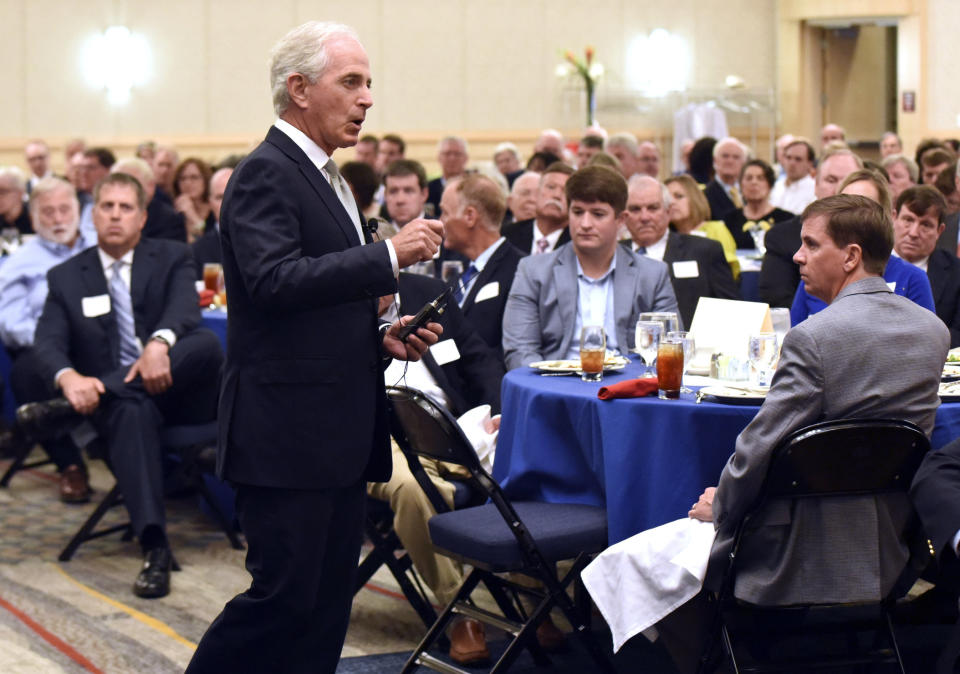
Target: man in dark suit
{"type": "Point", "coordinates": [697, 265]}
{"type": "Point", "coordinates": [471, 210]}
{"type": "Point", "coordinates": [453, 155]}
{"type": "Point", "coordinates": [779, 274]}
{"type": "Point", "coordinates": [206, 249]}
{"type": "Point", "coordinates": [163, 222]}
{"type": "Point", "coordinates": [950, 237]}
{"type": "Point", "coordinates": [916, 228]}
{"type": "Point", "coordinates": [723, 192]}
{"type": "Point", "coordinates": [548, 230]}
{"type": "Point", "coordinates": [303, 422]}
{"type": "Point", "coordinates": [118, 336]}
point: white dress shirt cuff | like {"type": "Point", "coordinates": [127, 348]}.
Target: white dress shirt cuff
{"type": "Point", "coordinates": [956, 542]}
{"type": "Point", "coordinates": [56, 377]}
{"type": "Point", "coordinates": [167, 335]}
{"type": "Point", "coordinates": [393, 257]}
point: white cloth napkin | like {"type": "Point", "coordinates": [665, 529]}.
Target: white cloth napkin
{"type": "Point", "coordinates": [473, 424]}
{"type": "Point", "coordinates": [637, 582]}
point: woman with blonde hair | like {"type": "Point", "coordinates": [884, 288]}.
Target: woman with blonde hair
{"type": "Point", "coordinates": [690, 213]}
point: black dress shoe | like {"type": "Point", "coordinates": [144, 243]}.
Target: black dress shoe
{"type": "Point", "coordinates": [48, 419]}
{"type": "Point", "coordinates": [153, 581]}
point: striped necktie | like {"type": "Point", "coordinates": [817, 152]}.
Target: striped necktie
{"type": "Point", "coordinates": [464, 281]}
{"type": "Point", "coordinates": [123, 310]}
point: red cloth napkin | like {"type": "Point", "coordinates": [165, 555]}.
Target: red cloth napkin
{"type": "Point", "coordinates": [632, 388]}
{"type": "Point", "coordinates": [206, 298]}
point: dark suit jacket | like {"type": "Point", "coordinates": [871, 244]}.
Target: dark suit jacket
{"type": "Point", "coordinates": [207, 249]}
{"type": "Point", "coordinates": [714, 279]}
{"type": "Point", "coordinates": [303, 403]}
{"type": "Point", "coordinates": [162, 293]}
{"type": "Point", "coordinates": [473, 378]}
{"type": "Point", "coordinates": [943, 270]}
{"type": "Point", "coordinates": [948, 237]}
{"type": "Point", "coordinates": [163, 222]}
{"type": "Point", "coordinates": [720, 204]}
{"type": "Point", "coordinates": [486, 316]}
{"type": "Point", "coordinates": [520, 234]}
{"type": "Point", "coordinates": [779, 276]}
{"type": "Point", "coordinates": [434, 194]}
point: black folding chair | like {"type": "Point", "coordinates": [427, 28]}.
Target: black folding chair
{"type": "Point", "coordinates": [525, 537]}
{"type": "Point", "coordinates": [21, 452]}
{"type": "Point", "coordinates": [847, 457]}
{"type": "Point", "coordinates": [178, 440]}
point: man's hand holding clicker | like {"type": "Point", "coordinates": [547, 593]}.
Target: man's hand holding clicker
{"type": "Point", "coordinates": [417, 343]}
{"type": "Point", "coordinates": [417, 241]}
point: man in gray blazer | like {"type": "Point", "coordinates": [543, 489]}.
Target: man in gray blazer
{"type": "Point", "coordinates": [589, 281]}
{"type": "Point", "coordinates": [854, 359]}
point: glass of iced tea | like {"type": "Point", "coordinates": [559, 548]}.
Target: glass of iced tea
{"type": "Point", "coordinates": [593, 345]}
{"type": "Point", "coordinates": [212, 275]}
{"type": "Point", "coordinates": [670, 366]}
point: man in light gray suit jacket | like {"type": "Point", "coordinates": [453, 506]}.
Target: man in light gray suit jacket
{"type": "Point", "coordinates": [854, 359]}
{"type": "Point", "coordinates": [589, 281]}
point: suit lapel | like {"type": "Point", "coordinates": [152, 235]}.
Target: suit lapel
{"type": "Point", "coordinates": [484, 276]}
{"type": "Point", "coordinates": [565, 282]}
{"type": "Point", "coordinates": [936, 273]}
{"type": "Point", "coordinates": [144, 262]}
{"type": "Point", "coordinates": [624, 293]}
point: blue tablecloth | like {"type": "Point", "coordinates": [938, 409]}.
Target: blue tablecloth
{"type": "Point", "coordinates": [216, 320]}
{"type": "Point", "coordinates": [646, 460]}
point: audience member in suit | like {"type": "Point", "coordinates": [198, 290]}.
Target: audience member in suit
{"type": "Point", "coordinates": [779, 275]}
{"type": "Point", "coordinates": [23, 291]}
{"type": "Point", "coordinates": [625, 148]}
{"type": "Point", "coordinates": [452, 155]}
{"type": "Point", "coordinates": [163, 222]}
{"type": "Point", "coordinates": [206, 249]}
{"type": "Point", "coordinates": [522, 201]}
{"type": "Point", "coordinates": [723, 192]}
{"type": "Point", "coordinates": [118, 336]}
{"type": "Point", "coordinates": [902, 172]}
{"type": "Point", "coordinates": [459, 372]}
{"type": "Point", "coordinates": [935, 493]}
{"type": "Point", "coordinates": [95, 164]}
{"type": "Point", "coordinates": [13, 212]}
{"type": "Point", "coordinates": [164, 165]}
{"type": "Point", "coordinates": [590, 281]}
{"type": "Point", "coordinates": [696, 264]}
{"type": "Point", "coordinates": [303, 412]}
{"type": "Point", "coordinates": [37, 154]}
{"type": "Point", "coordinates": [823, 375]}
{"type": "Point", "coordinates": [471, 209]}
{"type": "Point", "coordinates": [589, 145]}
{"type": "Point", "coordinates": [547, 230]}
{"type": "Point", "coordinates": [507, 160]}
{"type": "Point", "coordinates": [950, 237]}
{"type": "Point", "coordinates": [917, 224]}
{"type": "Point", "coordinates": [363, 181]}
{"type": "Point", "coordinates": [756, 180]}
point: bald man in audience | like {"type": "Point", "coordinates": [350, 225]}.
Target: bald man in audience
{"type": "Point", "coordinates": [452, 155]}
{"type": "Point", "coordinates": [163, 222]}
{"type": "Point", "coordinates": [648, 155]}
{"type": "Point", "coordinates": [723, 192]}
{"type": "Point", "coordinates": [779, 275]}
{"type": "Point", "coordinates": [206, 249]}
{"type": "Point", "coordinates": [590, 281]}
{"type": "Point", "coordinates": [37, 154]}
{"type": "Point", "coordinates": [551, 141]}
{"type": "Point", "coordinates": [832, 133]}
{"type": "Point", "coordinates": [626, 149]}
{"type": "Point", "coordinates": [696, 264]}
{"type": "Point", "coordinates": [522, 202]}
{"type": "Point", "coordinates": [548, 229]}
{"type": "Point", "coordinates": [165, 161]}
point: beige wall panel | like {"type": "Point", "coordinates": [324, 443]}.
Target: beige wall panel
{"type": "Point", "coordinates": [943, 54]}
{"type": "Point", "coordinates": [13, 112]}
{"type": "Point", "coordinates": [735, 37]}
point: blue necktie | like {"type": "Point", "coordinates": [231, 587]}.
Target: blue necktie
{"type": "Point", "coordinates": [641, 250]}
{"type": "Point", "coordinates": [123, 310]}
{"type": "Point", "coordinates": [462, 283]}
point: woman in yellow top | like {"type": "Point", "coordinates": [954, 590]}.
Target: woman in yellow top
{"type": "Point", "coordinates": [688, 215]}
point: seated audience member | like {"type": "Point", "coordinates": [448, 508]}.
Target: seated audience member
{"type": "Point", "coordinates": [794, 190]}
{"type": "Point", "coordinates": [588, 146]}
{"type": "Point", "coordinates": [780, 146]}
{"type": "Point", "coordinates": [933, 162]}
{"type": "Point", "coordinates": [471, 209]}
{"type": "Point", "coordinates": [950, 237]}
{"type": "Point", "coordinates": [522, 202]}
{"type": "Point", "coordinates": [391, 148]}
{"type": "Point", "coordinates": [779, 276]}
{"type": "Point", "coordinates": [890, 144]}
{"type": "Point", "coordinates": [903, 173]}
{"type": "Point", "coordinates": [723, 192]}
{"type": "Point", "coordinates": [831, 367]}
{"type": "Point", "coordinates": [452, 155]}
{"type": "Point", "coordinates": [405, 193]}
{"type": "Point", "coordinates": [832, 134]}
{"type": "Point", "coordinates": [649, 155]}
{"type": "Point", "coordinates": [590, 281]}
{"type": "Point", "coordinates": [23, 291]}
{"type": "Point", "coordinates": [165, 162]}
{"type": "Point", "coordinates": [163, 222]}
{"type": "Point", "coordinates": [191, 196]}
{"type": "Point", "coordinates": [146, 151]}
{"type": "Point", "coordinates": [94, 166]}
{"type": "Point", "coordinates": [550, 141]}
{"type": "Point", "coordinates": [697, 265]}
{"type": "Point", "coordinates": [700, 161]}
{"type": "Point", "coordinates": [539, 161]}
{"type": "Point", "coordinates": [902, 278]}
{"type": "Point", "coordinates": [946, 184]}
{"type": "Point", "coordinates": [206, 249]}
{"type": "Point", "coordinates": [364, 183]}
{"type": "Point", "coordinates": [626, 149]}
{"type": "Point", "coordinates": [141, 363]}
{"type": "Point", "coordinates": [547, 230]}
{"type": "Point", "coordinates": [917, 223]}
{"type": "Point", "coordinates": [756, 181]}
{"type": "Point", "coordinates": [507, 160]}
{"type": "Point", "coordinates": [605, 159]}
{"type": "Point", "coordinates": [365, 151]}
{"type": "Point", "coordinates": [37, 154]}
{"type": "Point", "coordinates": [469, 379]}
{"type": "Point", "coordinates": [690, 213]}
{"type": "Point", "coordinates": [13, 212]}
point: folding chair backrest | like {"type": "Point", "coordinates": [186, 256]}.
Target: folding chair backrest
{"type": "Point", "coordinates": [846, 457]}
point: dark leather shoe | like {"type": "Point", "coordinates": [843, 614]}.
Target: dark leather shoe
{"type": "Point", "coordinates": [549, 636]}
{"type": "Point", "coordinates": [74, 485]}
{"type": "Point", "coordinates": [153, 581]}
{"type": "Point", "coordinates": [468, 643]}
{"type": "Point", "coordinates": [48, 419]}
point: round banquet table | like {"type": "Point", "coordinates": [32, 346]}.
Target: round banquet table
{"type": "Point", "coordinates": [216, 320]}
{"type": "Point", "coordinates": [646, 460]}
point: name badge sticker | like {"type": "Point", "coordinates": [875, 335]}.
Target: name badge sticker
{"type": "Point", "coordinates": [487, 292]}
{"type": "Point", "coordinates": [445, 352]}
{"type": "Point", "coordinates": [94, 306]}
{"type": "Point", "coordinates": [686, 269]}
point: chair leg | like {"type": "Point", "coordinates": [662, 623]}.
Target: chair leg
{"type": "Point", "coordinates": [86, 532]}
{"type": "Point", "coordinates": [20, 463]}
{"type": "Point", "coordinates": [893, 640]}
{"type": "Point", "coordinates": [576, 618]}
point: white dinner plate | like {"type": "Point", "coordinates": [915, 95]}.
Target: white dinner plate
{"type": "Point", "coordinates": [573, 366]}
{"type": "Point", "coordinates": [735, 396]}
{"type": "Point", "coordinates": [950, 392]}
